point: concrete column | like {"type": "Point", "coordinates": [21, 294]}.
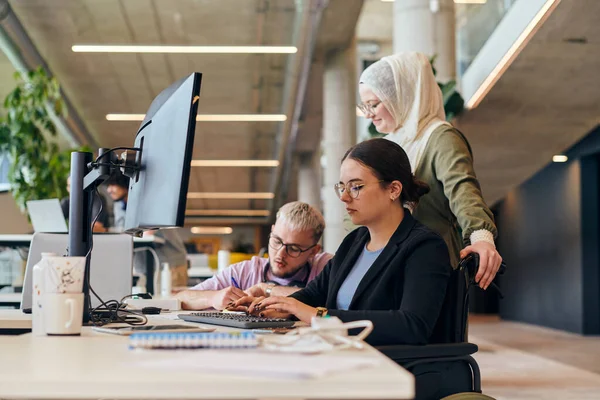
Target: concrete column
{"type": "Point", "coordinates": [339, 134]}
{"type": "Point", "coordinates": [309, 182]}
{"type": "Point", "coordinates": [427, 26]}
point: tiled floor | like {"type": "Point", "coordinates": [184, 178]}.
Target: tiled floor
{"type": "Point", "coordinates": [520, 361]}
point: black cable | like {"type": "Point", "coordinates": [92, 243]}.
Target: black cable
{"type": "Point", "coordinates": [109, 151]}
{"type": "Point", "coordinates": [111, 307]}
{"type": "Point", "coordinates": [111, 164]}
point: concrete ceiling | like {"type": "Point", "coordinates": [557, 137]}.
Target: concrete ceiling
{"type": "Point", "coordinates": [99, 84]}
{"type": "Point", "coordinates": [545, 102]}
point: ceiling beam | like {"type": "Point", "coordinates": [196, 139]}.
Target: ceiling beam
{"type": "Point", "coordinates": [306, 27]}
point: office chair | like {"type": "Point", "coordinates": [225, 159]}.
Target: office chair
{"type": "Point", "coordinates": [446, 367]}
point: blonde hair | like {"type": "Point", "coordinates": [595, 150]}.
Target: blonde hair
{"type": "Point", "coordinates": [302, 216]}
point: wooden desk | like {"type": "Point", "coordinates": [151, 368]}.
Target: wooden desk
{"type": "Point", "coordinates": [101, 366]}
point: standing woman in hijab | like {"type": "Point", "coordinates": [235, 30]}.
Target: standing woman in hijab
{"type": "Point", "coordinates": [400, 95]}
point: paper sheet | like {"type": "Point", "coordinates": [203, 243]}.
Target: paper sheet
{"type": "Point", "coordinates": [255, 362]}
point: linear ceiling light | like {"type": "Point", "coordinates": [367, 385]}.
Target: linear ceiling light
{"type": "Point", "coordinates": [560, 158]}
{"type": "Point", "coordinates": [211, 230]}
{"type": "Point", "coordinates": [455, 1]}
{"type": "Point", "coordinates": [228, 213]}
{"type": "Point", "coordinates": [235, 163]}
{"type": "Point", "coordinates": [83, 48]}
{"type": "Point", "coordinates": [231, 195]}
{"type": "Point", "coordinates": [512, 53]}
{"type": "Point", "coordinates": [470, 1]}
{"type": "Point", "coordinates": [209, 117]}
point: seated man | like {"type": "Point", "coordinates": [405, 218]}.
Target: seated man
{"type": "Point", "coordinates": [294, 260]}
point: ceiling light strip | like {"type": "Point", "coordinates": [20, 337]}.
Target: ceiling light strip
{"type": "Point", "coordinates": [211, 230]}
{"type": "Point", "coordinates": [83, 48]}
{"type": "Point", "coordinates": [235, 163]}
{"type": "Point", "coordinates": [512, 53]}
{"type": "Point", "coordinates": [228, 213]}
{"type": "Point", "coordinates": [470, 1]}
{"type": "Point", "coordinates": [231, 195]}
{"type": "Point", "coordinates": [455, 1]}
{"type": "Point", "coordinates": [209, 117]}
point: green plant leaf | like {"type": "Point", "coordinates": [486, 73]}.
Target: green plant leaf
{"type": "Point", "coordinates": [38, 169]}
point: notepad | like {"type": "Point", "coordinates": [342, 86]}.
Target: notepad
{"type": "Point", "coordinates": [193, 340]}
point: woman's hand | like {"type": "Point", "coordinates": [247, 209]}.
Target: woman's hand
{"type": "Point", "coordinates": [243, 303]}
{"type": "Point", "coordinates": [489, 262]}
{"type": "Point", "coordinates": [283, 307]}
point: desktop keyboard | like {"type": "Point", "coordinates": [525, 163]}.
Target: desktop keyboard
{"type": "Point", "coordinates": [234, 320]}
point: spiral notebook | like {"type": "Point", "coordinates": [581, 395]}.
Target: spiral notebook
{"type": "Point", "coordinates": [193, 340]}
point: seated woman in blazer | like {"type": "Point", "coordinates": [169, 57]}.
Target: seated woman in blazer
{"type": "Point", "coordinates": [392, 270]}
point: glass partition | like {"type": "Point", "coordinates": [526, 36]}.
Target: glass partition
{"type": "Point", "coordinates": [474, 25]}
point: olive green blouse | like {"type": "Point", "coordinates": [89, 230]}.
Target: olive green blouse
{"type": "Point", "coordinates": [454, 207]}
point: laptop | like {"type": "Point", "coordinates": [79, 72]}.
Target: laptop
{"type": "Point", "coordinates": [111, 264]}
{"type": "Point", "coordinates": [47, 216]}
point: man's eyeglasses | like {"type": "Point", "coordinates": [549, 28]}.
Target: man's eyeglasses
{"type": "Point", "coordinates": [368, 108]}
{"type": "Point", "coordinates": [352, 188]}
{"type": "Point", "coordinates": [293, 250]}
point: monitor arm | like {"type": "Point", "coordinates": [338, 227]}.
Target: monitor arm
{"type": "Point", "coordinates": [86, 175]}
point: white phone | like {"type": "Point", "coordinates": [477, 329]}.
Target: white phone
{"type": "Point", "coordinates": [131, 329]}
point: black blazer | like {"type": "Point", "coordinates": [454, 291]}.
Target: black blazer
{"type": "Point", "coordinates": [402, 293]}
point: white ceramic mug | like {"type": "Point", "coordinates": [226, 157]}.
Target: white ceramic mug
{"type": "Point", "coordinates": [64, 274]}
{"type": "Point", "coordinates": [63, 313]}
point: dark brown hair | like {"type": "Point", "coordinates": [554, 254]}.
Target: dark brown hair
{"type": "Point", "coordinates": [389, 162]}
{"type": "Point", "coordinates": [118, 179]}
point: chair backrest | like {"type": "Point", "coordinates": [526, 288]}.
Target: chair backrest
{"type": "Point", "coordinates": [451, 326]}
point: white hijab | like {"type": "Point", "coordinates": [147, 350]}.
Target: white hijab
{"type": "Point", "coordinates": [406, 86]}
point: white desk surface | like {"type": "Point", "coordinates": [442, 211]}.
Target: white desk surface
{"type": "Point", "coordinates": [98, 365]}
{"type": "Point", "coordinates": [10, 297]}
{"type": "Point", "coordinates": [27, 238]}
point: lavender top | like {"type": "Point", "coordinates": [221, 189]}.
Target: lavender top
{"type": "Point", "coordinates": [250, 272]}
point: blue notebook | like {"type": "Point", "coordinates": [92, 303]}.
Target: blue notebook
{"type": "Point", "coordinates": [193, 340]}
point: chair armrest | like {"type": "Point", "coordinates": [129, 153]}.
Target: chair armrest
{"type": "Point", "coordinates": [405, 352]}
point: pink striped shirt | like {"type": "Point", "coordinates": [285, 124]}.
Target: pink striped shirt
{"type": "Point", "coordinates": [250, 272]}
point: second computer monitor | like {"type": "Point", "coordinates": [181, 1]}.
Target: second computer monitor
{"type": "Point", "coordinates": [158, 191]}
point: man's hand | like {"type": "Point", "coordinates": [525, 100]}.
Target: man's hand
{"type": "Point", "coordinates": [489, 262]}
{"type": "Point", "coordinates": [258, 290]}
{"type": "Point", "coordinates": [223, 297]}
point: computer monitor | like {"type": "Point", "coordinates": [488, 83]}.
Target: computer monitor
{"type": "Point", "coordinates": [159, 171]}
{"type": "Point", "coordinates": [158, 190]}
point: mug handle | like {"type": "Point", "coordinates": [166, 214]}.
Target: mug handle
{"type": "Point", "coordinates": [71, 303]}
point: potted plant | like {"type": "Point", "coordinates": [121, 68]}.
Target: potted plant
{"type": "Point", "coordinates": [38, 168]}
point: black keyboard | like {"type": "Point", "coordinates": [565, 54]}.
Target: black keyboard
{"type": "Point", "coordinates": [233, 320]}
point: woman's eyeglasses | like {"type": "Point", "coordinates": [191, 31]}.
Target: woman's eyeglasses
{"type": "Point", "coordinates": [368, 108]}
{"type": "Point", "coordinates": [352, 188]}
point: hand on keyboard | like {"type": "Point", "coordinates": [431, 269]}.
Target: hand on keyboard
{"type": "Point", "coordinates": [245, 303]}
{"type": "Point", "coordinates": [222, 298]}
